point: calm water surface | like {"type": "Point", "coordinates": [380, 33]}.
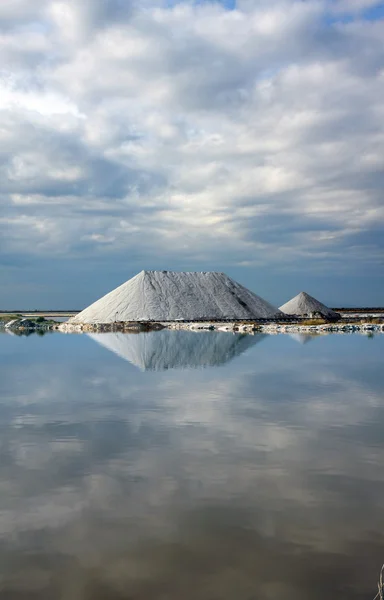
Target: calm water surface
{"type": "Point", "coordinates": [180, 466]}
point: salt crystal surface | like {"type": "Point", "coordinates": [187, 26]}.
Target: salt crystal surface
{"type": "Point", "coordinates": [171, 295]}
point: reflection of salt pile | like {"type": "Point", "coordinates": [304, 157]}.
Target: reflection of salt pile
{"type": "Point", "coordinates": [302, 338]}
{"type": "Point", "coordinates": [305, 305]}
{"type": "Point", "coordinates": [161, 350]}
{"type": "Point", "coordinates": [169, 295]}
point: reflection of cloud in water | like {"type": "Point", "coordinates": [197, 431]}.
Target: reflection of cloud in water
{"type": "Point", "coordinates": [162, 350]}
{"type": "Point", "coordinates": [261, 481]}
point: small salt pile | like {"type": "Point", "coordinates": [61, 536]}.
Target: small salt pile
{"type": "Point", "coordinates": [305, 305]}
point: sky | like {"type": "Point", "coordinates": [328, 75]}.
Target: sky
{"type": "Point", "coordinates": [240, 136]}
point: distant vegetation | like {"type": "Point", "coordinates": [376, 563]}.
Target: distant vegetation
{"type": "Point", "coordinates": [372, 320]}
{"type": "Point", "coordinates": [309, 322]}
{"type": "Point", "coordinates": [358, 321]}
{"type": "Point", "coordinates": [6, 318]}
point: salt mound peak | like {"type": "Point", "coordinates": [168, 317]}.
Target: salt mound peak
{"type": "Point", "coordinates": [305, 305]}
{"type": "Point", "coordinates": [173, 295]}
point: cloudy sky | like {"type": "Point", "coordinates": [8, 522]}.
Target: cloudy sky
{"type": "Point", "coordinates": [243, 136]}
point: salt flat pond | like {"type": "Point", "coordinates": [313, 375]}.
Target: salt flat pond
{"type": "Point", "coordinates": [182, 465]}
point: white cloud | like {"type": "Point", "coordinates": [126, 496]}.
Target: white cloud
{"type": "Point", "coordinates": [352, 6]}
{"type": "Point", "coordinates": [196, 124]}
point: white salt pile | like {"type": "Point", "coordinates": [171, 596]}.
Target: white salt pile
{"type": "Point", "coordinates": [170, 295]}
{"type": "Point", "coordinates": [306, 306]}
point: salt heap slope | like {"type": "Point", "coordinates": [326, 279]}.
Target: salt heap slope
{"type": "Point", "coordinates": [305, 305]}
{"type": "Point", "coordinates": [170, 295]}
